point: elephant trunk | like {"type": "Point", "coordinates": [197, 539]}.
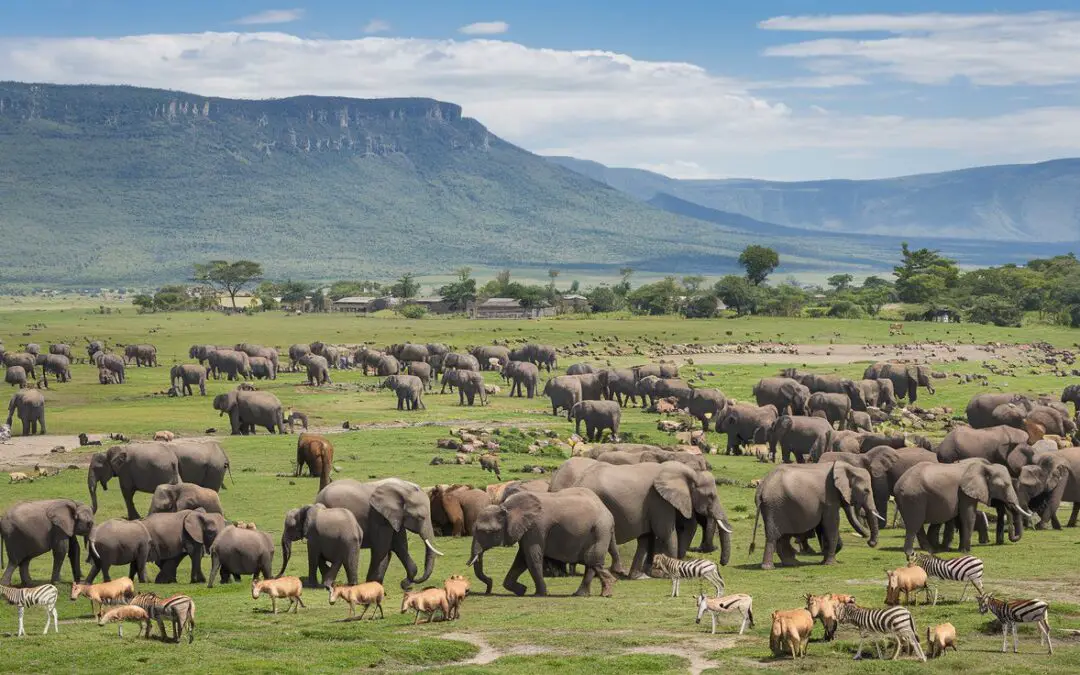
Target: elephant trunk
{"type": "Point", "coordinates": [91, 484]}
{"type": "Point", "coordinates": [286, 552]}
{"type": "Point", "coordinates": [872, 517]}
{"type": "Point", "coordinates": [1017, 530]}
{"type": "Point", "coordinates": [849, 511]}
{"type": "Point", "coordinates": [477, 563]}
{"type": "Point", "coordinates": [427, 533]}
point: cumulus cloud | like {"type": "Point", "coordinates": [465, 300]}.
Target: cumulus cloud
{"type": "Point", "coordinates": [271, 16]}
{"type": "Point", "coordinates": [376, 26]}
{"type": "Point", "coordinates": [485, 28]}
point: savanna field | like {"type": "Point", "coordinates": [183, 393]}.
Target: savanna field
{"type": "Point", "coordinates": [640, 629]}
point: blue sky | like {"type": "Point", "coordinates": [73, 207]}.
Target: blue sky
{"type": "Point", "coordinates": [772, 89]}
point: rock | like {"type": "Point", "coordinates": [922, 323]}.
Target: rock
{"type": "Point", "coordinates": [468, 447]}
{"type": "Point", "coordinates": [59, 449]}
{"type": "Point", "coordinates": [448, 443]}
{"type": "Point", "coordinates": [435, 461]}
{"type": "Point", "coordinates": [551, 433]}
{"type": "Point", "coordinates": [537, 469]}
{"type": "Point", "coordinates": [668, 426]}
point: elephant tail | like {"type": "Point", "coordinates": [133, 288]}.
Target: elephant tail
{"type": "Point", "coordinates": [757, 517]}
{"type": "Point", "coordinates": [91, 552]}
{"type": "Point", "coordinates": [2, 545]}
{"type": "Point", "coordinates": [228, 467]}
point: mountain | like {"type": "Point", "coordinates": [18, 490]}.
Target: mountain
{"type": "Point", "coordinates": [1009, 203]}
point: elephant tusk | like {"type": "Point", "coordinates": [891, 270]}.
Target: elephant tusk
{"type": "Point", "coordinates": [879, 516]}
{"type": "Point", "coordinates": [723, 527]}
{"type": "Point", "coordinates": [430, 546]}
{"type": "Point", "coordinates": [1026, 514]}
{"type": "Point", "coordinates": [472, 561]}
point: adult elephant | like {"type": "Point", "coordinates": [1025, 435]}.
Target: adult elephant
{"type": "Point", "coordinates": [980, 409]}
{"type": "Point", "coordinates": [408, 352]}
{"type": "Point", "coordinates": [175, 497]}
{"type": "Point", "coordinates": [649, 390]}
{"type": "Point", "coordinates": [564, 391]}
{"type": "Point", "coordinates": [138, 468]}
{"type": "Point", "coordinates": [523, 376]}
{"type": "Point", "coordinates": [832, 384]}
{"type": "Point", "coordinates": [457, 361]}
{"type": "Point", "coordinates": [835, 407]}
{"type": "Point", "coordinates": [259, 351]}
{"type": "Point", "coordinates": [15, 376]}
{"type": "Point", "coordinates": [906, 379]}
{"type": "Point", "coordinates": [785, 394]}
{"type": "Point", "coordinates": [25, 360]}
{"type": "Point", "coordinates": [661, 370]}
{"type": "Point", "coordinates": [237, 551]}
{"type": "Point", "coordinates": [705, 405]}
{"type": "Point", "coordinates": [745, 424]}
{"type": "Point", "coordinates": [992, 444]}
{"type": "Point", "coordinates": [1050, 420]}
{"type": "Point", "coordinates": [454, 508]}
{"type": "Point", "coordinates": [800, 436]}
{"type": "Point", "coordinates": [183, 377]}
{"type": "Point", "coordinates": [1071, 394]}
{"type": "Point", "coordinates": [30, 406]}
{"type": "Point", "coordinates": [592, 389]}
{"type": "Point", "coordinates": [318, 369]}
{"type": "Point", "coordinates": [878, 393]}
{"type": "Point", "coordinates": [296, 353]}
{"type": "Point", "coordinates": [201, 353]}
{"type": "Point", "coordinates": [580, 369]}
{"type": "Point", "coordinates": [885, 465]}
{"type": "Point", "coordinates": [200, 462]}
{"type": "Point", "coordinates": [249, 409]}
{"type": "Point", "coordinates": [333, 541]}
{"type": "Point", "coordinates": [1046, 479]}
{"type": "Point", "coordinates": [569, 526]}
{"type": "Point", "coordinates": [469, 383]}
{"type": "Point", "coordinates": [112, 363]}
{"type": "Point", "coordinates": [229, 362]}
{"type": "Point", "coordinates": [387, 510]}
{"type": "Point", "coordinates": [387, 365]}
{"type": "Point", "coordinates": [929, 494]}
{"type": "Point", "coordinates": [93, 347]}
{"type": "Point", "coordinates": [30, 529]}
{"type": "Point", "coordinates": [183, 534]}
{"type": "Point", "coordinates": [794, 500]}
{"type": "Point", "coordinates": [141, 355]}
{"type": "Point", "coordinates": [647, 500]}
{"type": "Point", "coordinates": [409, 390]}
{"type": "Point", "coordinates": [598, 416]}
{"type": "Point", "coordinates": [634, 453]}
{"type": "Point", "coordinates": [485, 354]}
{"type": "Point", "coordinates": [57, 365]}
{"type": "Point", "coordinates": [619, 384]}
{"type": "Point", "coordinates": [422, 370]}
{"type": "Point", "coordinates": [262, 368]}
{"type": "Point", "coordinates": [120, 542]}
{"type": "Point", "coordinates": [61, 349]}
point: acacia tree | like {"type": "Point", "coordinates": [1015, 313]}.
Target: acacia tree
{"type": "Point", "coordinates": [759, 262]}
{"type": "Point", "coordinates": [407, 287]}
{"type": "Point", "coordinates": [461, 292]}
{"type": "Point", "coordinates": [228, 277]}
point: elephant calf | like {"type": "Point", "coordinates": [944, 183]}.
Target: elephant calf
{"type": "Point", "coordinates": [598, 416]}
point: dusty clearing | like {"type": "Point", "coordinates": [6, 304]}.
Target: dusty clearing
{"type": "Point", "coordinates": [842, 353]}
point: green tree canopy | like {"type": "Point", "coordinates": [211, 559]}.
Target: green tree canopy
{"type": "Point", "coordinates": [924, 275]}
{"type": "Point", "coordinates": [228, 277]}
{"type": "Point", "coordinates": [460, 293]}
{"type": "Point", "coordinates": [737, 293]}
{"type": "Point", "coordinates": [407, 287]}
{"type": "Point", "coordinates": [759, 262]}
{"type": "Point", "coordinates": [840, 282]}
{"type": "Point", "coordinates": [657, 298]}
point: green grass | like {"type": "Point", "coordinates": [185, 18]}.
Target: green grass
{"type": "Point", "coordinates": [573, 635]}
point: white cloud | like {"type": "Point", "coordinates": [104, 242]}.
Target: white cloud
{"type": "Point", "coordinates": [271, 16]}
{"type": "Point", "coordinates": [485, 28]}
{"type": "Point", "coordinates": [376, 26]}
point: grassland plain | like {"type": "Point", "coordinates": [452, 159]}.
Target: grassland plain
{"type": "Point", "coordinates": [641, 629]}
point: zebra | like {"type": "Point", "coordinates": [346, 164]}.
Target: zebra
{"type": "Point", "coordinates": [676, 570]}
{"type": "Point", "coordinates": [891, 621]}
{"type": "Point", "coordinates": [22, 598]}
{"type": "Point", "coordinates": [179, 609]}
{"type": "Point", "coordinates": [1012, 612]}
{"type": "Point", "coordinates": [965, 569]}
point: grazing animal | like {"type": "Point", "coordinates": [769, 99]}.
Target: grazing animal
{"type": "Point", "coordinates": [965, 569]}
{"type": "Point", "coordinates": [19, 477]}
{"type": "Point", "coordinates": [43, 596]}
{"type": "Point", "coordinates": [491, 463]}
{"type": "Point", "coordinates": [677, 570]}
{"type": "Point", "coordinates": [316, 452]}
{"type": "Point", "coordinates": [282, 587]}
{"type": "Point", "coordinates": [736, 602]}
{"type": "Point", "coordinates": [790, 628]}
{"type": "Point", "coordinates": [124, 613]}
{"type": "Point", "coordinates": [1012, 612]}
{"type": "Point", "coordinates": [115, 592]}
{"type": "Point", "coordinates": [428, 601]}
{"type": "Point", "coordinates": [939, 638]}
{"type": "Point", "coordinates": [165, 436]}
{"type": "Point", "coordinates": [906, 580]}
{"type": "Point", "coordinates": [366, 594]}
{"type": "Point", "coordinates": [456, 587]}
{"type": "Point", "coordinates": [178, 609]}
{"type": "Point", "coordinates": [891, 621]}
{"type": "Point", "coordinates": [294, 417]}
{"type": "Point", "coordinates": [824, 607]}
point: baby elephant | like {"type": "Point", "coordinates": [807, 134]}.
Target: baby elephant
{"type": "Point", "coordinates": [939, 637]}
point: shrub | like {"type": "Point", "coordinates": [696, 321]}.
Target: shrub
{"type": "Point", "coordinates": [998, 311]}
{"type": "Point", "coordinates": [412, 311]}
{"type": "Point", "coordinates": [846, 309]}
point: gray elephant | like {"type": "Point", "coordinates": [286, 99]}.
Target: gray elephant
{"type": "Point", "coordinates": [830, 384]}
{"type": "Point", "coordinates": [663, 371]}
{"type": "Point", "coordinates": [120, 542]}
{"type": "Point", "coordinates": [408, 352]}
{"type": "Point", "coordinates": [1046, 479]}
{"type": "Point", "coordinates": [422, 370]}
{"type": "Point", "coordinates": [592, 389]}
{"type": "Point", "coordinates": [745, 424]}
{"type": "Point", "coordinates": [1020, 416]}
{"type": "Point", "coordinates": [786, 394]}
{"type": "Point", "coordinates": [580, 369]}
{"type": "Point", "coordinates": [980, 409]}
{"type": "Point", "coordinates": [237, 551]}
{"type": "Point", "coordinates": [61, 349]}
{"type": "Point", "coordinates": [93, 347]}
{"type": "Point", "coordinates": [30, 529]}
{"type": "Point", "coordinates": [648, 389]}
{"type": "Point", "coordinates": [456, 361]}
{"type": "Point", "coordinates": [203, 463]}
{"type": "Point", "coordinates": [564, 391]}
{"type": "Point", "coordinates": [523, 377]}
{"type": "Point", "coordinates": [333, 541]}
{"type": "Point", "coordinates": [184, 496]}
{"type": "Point", "coordinates": [543, 356]}
{"type": "Point", "coordinates": [706, 405]}
{"type": "Point", "coordinates": [647, 501]}
{"type": "Point", "coordinates": [387, 365]}
{"type": "Point", "coordinates": [15, 376]}
{"type": "Point", "coordinates": [676, 389]}
{"type": "Point", "coordinates": [183, 534]}
{"type": "Point", "coordinates": [836, 407]}
{"type": "Point", "coordinates": [860, 421]}
{"type": "Point", "coordinates": [803, 437]}
{"type": "Point", "coordinates": [57, 365]}
{"type": "Point", "coordinates": [258, 351]}
{"type": "Point", "coordinates": [437, 349]}
{"type": "Point", "coordinates": [1071, 394]}
{"type": "Point", "coordinates": [598, 416]}
{"type": "Point", "coordinates": [229, 362]}
{"type": "Point", "coordinates": [636, 453]}
{"type": "Point", "coordinates": [620, 384]}
{"type": "Point", "coordinates": [992, 444]}
{"type": "Point", "coordinates": [142, 355]}
{"type": "Point", "coordinates": [387, 510]}
{"type": "Point", "coordinates": [569, 526]}
{"type": "Point", "coordinates": [878, 393]}
{"type": "Point", "coordinates": [184, 376]}
{"type": "Point", "coordinates": [250, 409]}
{"type": "Point", "coordinates": [409, 390]}
{"type": "Point", "coordinates": [318, 369]}
{"type": "Point", "coordinates": [469, 383]}
{"type": "Point", "coordinates": [30, 405]}
{"type": "Point", "coordinates": [106, 376]}
{"type": "Point", "coordinates": [906, 379]}
{"type": "Point", "coordinates": [111, 363]}
{"type": "Point", "coordinates": [929, 494]}
{"type": "Point", "coordinates": [485, 354]}
{"type": "Point", "coordinates": [262, 368]}
{"type": "Point", "coordinates": [201, 353]}
{"type": "Point", "coordinates": [25, 360]}
{"type": "Point", "coordinates": [795, 500]}
{"type": "Point", "coordinates": [296, 353]}
{"type": "Point", "coordinates": [138, 468]}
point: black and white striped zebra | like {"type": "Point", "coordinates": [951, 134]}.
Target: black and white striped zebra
{"type": "Point", "coordinates": [888, 622]}
{"type": "Point", "coordinates": [179, 610]}
{"type": "Point", "coordinates": [965, 569]}
{"type": "Point", "coordinates": [676, 570]}
{"type": "Point", "coordinates": [1012, 612]}
{"type": "Point", "coordinates": [43, 596]}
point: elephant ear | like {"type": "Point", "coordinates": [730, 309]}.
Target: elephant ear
{"type": "Point", "coordinates": [117, 458]}
{"type": "Point", "coordinates": [62, 518]}
{"type": "Point", "coordinates": [310, 514]}
{"type": "Point", "coordinates": [1059, 473]}
{"type": "Point", "coordinates": [881, 463]}
{"type": "Point", "coordinates": [193, 527]}
{"type": "Point", "coordinates": [1020, 457]}
{"type": "Point", "coordinates": [672, 485]}
{"type": "Point", "coordinates": [523, 510]}
{"type": "Point", "coordinates": [973, 483]}
{"type": "Point", "coordinates": [389, 504]}
{"type": "Point", "coordinates": [841, 480]}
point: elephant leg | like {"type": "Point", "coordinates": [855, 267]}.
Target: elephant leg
{"type": "Point", "coordinates": [517, 568]}
{"type": "Point", "coordinates": [215, 568]}
{"type": "Point", "coordinates": [934, 535]}
{"type": "Point", "coordinates": [770, 550]}
{"type": "Point", "coordinates": [585, 589]}
{"type": "Point", "coordinates": [1073, 516]}
{"type": "Point", "coordinates": [330, 575]}
{"type": "Point", "coordinates": [786, 551]}
{"type": "Point", "coordinates": [105, 572]}
{"type": "Point", "coordinates": [637, 566]}
{"type": "Point", "coordinates": [616, 560]}
{"type": "Point", "coordinates": [967, 524]}
{"type": "Point", "coordinates": [167, 571]}
{"type": "Point", "coordinates": [534, 561]}
{"type": "Point", "coordinates": [351, 562]}
{"type": "Point", "coordinates": [24, 572]}
{"type": "Point", "coordinates": [128, 493]}
{"type": "Point", "coordinates": [9, 571]}
{"type": "Point", "coordinates": [59, 551]}
{"type": "Point", "coordinates": [400, 545]}
{"type": "Point", "coordinates": [313, 566]}
{"type": "Point", "coordinates": [830, 536]}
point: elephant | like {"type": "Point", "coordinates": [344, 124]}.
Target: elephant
{"type": "Point", "coordinates": [203, 463]}
{"type": "Point", "coordinates": [33, 348]}
{"type": "Point", "coordinates": [794, 500]}
{"type": "Point", "coordinates": [454, 508]}
{"type": "Point", "coordinates": [296, 353]}
{"type": "Point", "coordinates": [317, 452]}
{"type": "Point", "coordinates": [422, 370]}
{"type": "Point", "coordinates": [58, 365]}
{"type": "Point", "coordinates": [61, 349]}
{"type": "Point", "coordinates": [878, 394]}
{"type": "Point", "coordinates": [906, 379]}
{"type": "Point", "coordinates": [30, 529]}
{"type": "Point", "coordinates": [484, 355]}
{"type": "Point", "coordinates": [120, 542]}
{"type": "Point", "coordinates": [598, 415]}
{"type": "Point", "coordinates": [980, 409]}
{"type": "Point", "coordinates": [993, 444]}
{"type": "Point", "coordinates": [860, 421]}
{"type": "Point", "coordinates": [387, 365]}
{"type": "Point", "coordinates": [648, 388]}
{"type": "Point", "coordinates": [333, 541]}
{"type": "Point", "coordinates": [569, 526]}
{"type": "Point", "coordinates": [456, 361]}
{"type": "Point", "coordinates": [1019, 416]}
{"type": "Point", "coordinates": [619, 384]}
{"type": "Point", "coordinates": [328, 352]}
{"type": "Point", "coordinates": [171, 498]}
{"type": "Point", "coordinates": [784, 393]}
{"type": "Point", "coordinates": [435, 361]}
{"type": "Point", "coordinates": [111, 363]}
{"type": "Point", "coordinates": [936, 494]}
{"type": "Point", "coordinates": [647, 501]}
{"type": "Point", "coordinates": [1071, 394]}
{"type": "Point", "coordinates": [524, 377]}
{"type": "Point", "coordinates": [27, 361]}
{"type": "Point", "coordinates": [15, 376]}
{"type": "Point", "coordinates": [592, 389]}
{"type": "Point", "coordinates": [564, 392]}
{"type": "Point", "coordinates": [248, 409]}
{"type": "Point", "coordinates": [106, 376]}
{"type": "Point", "coordinates": [836, 407]}
{"type": "Point", "coordinates": [676, 389]}
{"type": "Point", "coordinates": [636, 453]}
{"type": "Point", "coordinates": [831, 384]}
{"type": "Point", "coordinates": [142, 355]}
{"type": "Point", "coordinates": [543, 356]}
{"type": "Point", "coordinates": [663, 371]}
{"type": "Point", "coordinates": [258, 351]}
{"type": "Point", "coordinates": [30, 405]}
{"type": "Point", "coordinates": [139, 469]}
{"type": "Point", "coordinates": [262, 368]}
{"type": "Point", "coordinates": [237, 551]}
{"type": "Point", "coordinates": [201, 353]}
{"type": "Point", "coordinates": [233, 364]}
{"type": "Point", "coordinates": [93, 347]}
{"type": "Point", "coordinates": [409, 390]}
{"type": "Point", "coordinates": [437, 349]}
{"type": "Point", "coordinates": [469, 383]}
{"type": "Point", "coordinates": [185, 533]}
{"type": "Point", "coordinates": [707, 404]}
{"type": "Point", "coordinates": [408, 352]}
{"type": "Point", "coordinates": [580, 369]}
{"type": "Point", "coordinates": [1041, 482]}
{"type": "Point", "coordinates": [387, 510]}
{"type": "Point", "coordinates": [802, 436]}
{"type": "Point", "coordinates": [745, 423]}
{"type": "Point", "coordinates": [183, 376]}
{"type": "Point", "coordinates": [318, 369]}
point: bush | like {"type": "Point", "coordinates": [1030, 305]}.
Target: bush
{"type": "Point", "coordinates": [845, 309]}
{"type": "Point", "coordinates": [700, 307]}
{"type": "Point", "coordinates": [998, 311]}
{"type": "Point", "coordinates": [412, 311]}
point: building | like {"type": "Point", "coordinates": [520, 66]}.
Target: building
{"type": "Point", "coordinates": [506, 308]}
{"type": "Point", "coordinates": [433, 304]}
{"type": "Point", "coordinates": [356, 304]}
{"type": "Point", "coordinates": [574, 303]}
{"type": "Point", "coordinates": [243, 301]}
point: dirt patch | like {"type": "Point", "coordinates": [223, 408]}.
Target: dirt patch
{"type": "Point", "coordinates": [838, 353]}
{"type": "Point", "coordinates": [487, 653]}
{"type": "Point", "coordinates": [692, 650]}
{"type": "Point", "coordinates": [23, 451]}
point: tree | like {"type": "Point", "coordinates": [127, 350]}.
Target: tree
{"type": "Point", "coordinates": [553, 274]}
{"type": "Point", "coordinates": [700, 306]}
{"type": "Point", "coordinates": [502, 281]}
{"type": "Point", "coordinates": [604, 299]}
{"type": "Point", "coordinates": [297, 291]}
{"type": "Point", "coordinates": [759, 262]}
{"type": "Point", "coordinates": [996, 310]}
{"type": "Point", "coordinates": [228, 277]}
{"type": "Point", "coordinates": [407, 287]}
{"type": "Point", "coordinates": [171, 299]}
{"type": "Point", "coordinates": [692, 283]}
{"type": "Point", "coordinates": [352, 289]}
{"type": "Point", "coordinates": [840, 282]}
{"type": "Point", "coordinates": [784, 300]}
{"type": "Point", "coordinates": [460, 293]}
{"type": "Point", "coordinates": [623, 287]}
{"type": "Point", "coordinates": [575, 286]}
{"type": "Point", "coordinates": [144, 302]}
{"type": "Point", "coordinates": [657, 298]}
{"type": "Point", "coordinates": [737, 293]}
{"type": "Point", "coordinates": [924, 275]}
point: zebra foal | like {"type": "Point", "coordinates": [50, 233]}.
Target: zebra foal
{"type": "Point", "coordinates": [890, 621]}
{"type": "Point", "coordinates": [677, 570]}
{"type": "Point", "coordinates": [44, 596]}
{"type": "Point", "coordinates": [1012, 612]}
{"type": "Point", "coordinates": [965, 569]}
